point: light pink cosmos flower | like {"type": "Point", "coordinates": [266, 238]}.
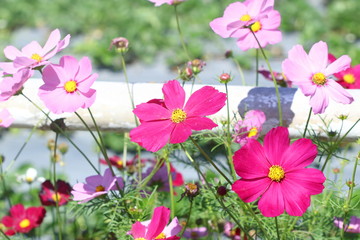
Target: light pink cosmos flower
{"type": "Point", "coordinates": [5, 118]}
{"type": "Point", "coordinates": [10, 85]}
{"type": "Point", "coordinates": [195, 233]}
{"type": "Point", "coordinates": [257, 15]}
{"type": "Point", "coordinates": [174, 122]}
{"type": "Point", "coordinates": [95, 186]}
{"type": "Point", "coordinates": [312, 72]}
{"type": "Point", "coordinates": [250, 127]}
{"type": "Point", "coordinates": [353, 225]}
{"type": "Point", "coordinates": [156, 227]}
{"type": "Point", "coordinates": [69, 81]}
{"type": "Point", "coordinates": [275, 172]}
{"type": "Point", "coordinates": [33, 55]}
{"type": "Point", "coordinates": [169, 2]}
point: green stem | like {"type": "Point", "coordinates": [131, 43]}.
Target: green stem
{"type": "Point", "coordinates": [277, 228]}
{"type": "Point", "coordinates": [4, 234]}
{"type": "Point", "coordinates": [307, 122]}
{"type": "Point", "coordinates": [274, 80]}
{"type": "Point", "coordinates": [240, 71]}
{"type": "Point", "coordinates": [3, 182]}
{"type": "Point", "coordinates": [257, 68]}
{"type": "Point", "coordinates": [58, 216]}
{"type": "Point", "coordinates": [187, 220]}
{"type": "Point", "coordinates": [180, 33]}
{"type": "Point", "coordinates": [229, 140]}
{"type": "Point", "coordinates": [143, 183]}
{"type": "Point", "coordinates": [210, 161]}
{"type": "Point", "coordinates": [172, 201]}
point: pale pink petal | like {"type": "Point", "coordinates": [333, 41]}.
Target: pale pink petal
{"type": "Point", "coordinates": [205, 101]}
{"type": "Point", "coordinates": [70, 65]}
{"type": "Point", "coordinates": [338, 93]}
{"type": "Point", "coordinates": [250, 190]}
{"type": "Point", "coordinates": [297, 200]}
{"type": "Point", "coordinates": [12, 52]}
{"type": "Point", "coordinates": [60, 46]}
{"type": "Point", "coordinates": [240, 33]}
{"type": "Point", "coordinates": [308, 178]}
{"type": "Point", "coordinates": [8, 67]}
{"type": "Point", "coordinates": [138, 230]}
{"type": "Point", "coordinates": [152, 135]}
{"type": "Point", "coordinates": [173, 228]}
{"type": "Point", "coordinates": [319, 101]}
{"type": "Point", "coordinates": [299, 154]}
{"type": "Point", "coordinates": [295, 71]}
{"type": "Point", "coordinates": [269, 37]}
{"type": "Point", "coordinates": [174, 95]}
{"type": "Point", "coordinates": [94, 181]}
{"type": "Point", "coordinates": [53, 39]}
{"type": "Point", "coordinates": [84, 85]}
{"type": "Point", "coordinates": [272, 22]}
{"type": "Point", "coordinates": [340, 64]}
{"type": "Point", "coordinates": [276, 142]}
{"type": "Point", "coordinates": [254, 7]}
{"type": "Point", "coordinates": [31, 48]}
{"type": "Point", "coordinates": [158, 222]}
{"type": "Point", "coordinates": [308, 88]}
{"type": "Point", "coordinates": [247, 42]}
{"type": "Point", "coordinates": [151, 112]}
{"type": "Point", "coordinates": [23, 62]}
{"type": "Point", "coordinates": [200, 123]}
{"type": "Point", "coordinates": [85, 69]}
{"type": "Point", "coordinates": [180, 133]}
{"type": "Point", "coordinates": [6, 118]}
{"type": "Point", "coordinates": [250, 161]}
{"type": "Point", "coordinates": [219, 27]}
{"type": "Point", "coordinates": [88, 98]}
{"type": "Point", "coordinates": [52, 75]}
{"type": "Point", "coordinates": [235, 11]}
{"type": "Point", "coordinates": [297, 54]}
{"type": "Point", "coordinates": [271, 203]}
{"type": "Point", "coordinates": [319, 56]}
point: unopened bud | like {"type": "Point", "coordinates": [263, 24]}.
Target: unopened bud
{"type": "Point", "coordinates": [336, 170]}
{"type": "Point", "coordinates": [222, 191]}
{"type": "Point", "coordinates": [63, 148]}
{"type": "Point", "coordinates": [228, 54]}
{"type": "Point", "coordinates": [225, 78]}
{"type": "Point", "coordinates": [58, 125]}
{"type": "Point", "coordinates": [350, 184]}
{"type": "Point", "coordinates": [121, 44]}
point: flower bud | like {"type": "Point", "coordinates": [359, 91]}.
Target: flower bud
{"type": "Point", "coordinates": [336, 170]}
{"type": "Point", "coordinates": [186, 74]}
{"type": "Point", "coordinates": [228, 54]}
{"type": "Point", "coordinates": [58, 125]}
{"type": "Point", "coordinates": [63, 148]}
{"type": "Point", "coordinates": [225, 78]}
{"type": "Point", "coordinates": [196, 65]}
{"type": "Point", "coordinates": [222, 191]}
{"type": "Point", "coordinates": [121, 44]}
{"type": "Point", "coordinates": [350, 184]}
{"type": "Point", "coordinates": [191, 191]}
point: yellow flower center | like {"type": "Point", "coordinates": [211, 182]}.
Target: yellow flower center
{"type": "Point", "coordinates": [99, 188]}
{"type": "Point", "coordinates": [29, 179]}
{"type": "Point", "coordinates": [140, 239]}
{"type": "Point", "coordinates": [256, 26]}
{"type": "Point", "coordinates": [349, 78]}
{"type": "Point", "coordinates": [119, 163]}
{"type": "Point", "coordinates": [253, 131]}
{"type": "Point", "coordinates": [0, 121]}
{"type": "Point", "coordinates": [56, 197]}
{"type": "Point", "coordinates": [24, 223]}
{"type": "Point", "coordinates": [70, 86]}
{"type": "Point", "coordinates": [245, 18]}
{"type": "Point", "coordinates": [36, 57]}
{"type": "Point", "coordinates": [178, 116]}
{"type": "Point", "coordinates": [161, 236]}
{"type": "Point", "coordinates": [276, 173]}
{"type": "Point", "coordinates": [319, 78]}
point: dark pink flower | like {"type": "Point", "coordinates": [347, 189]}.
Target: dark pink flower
{"type": "Point", "coordinates": [174, 123]}
{"type": "Point", "coordinates": [349, 78]}
{"type": "Point", "coordinates": [69, 81]}
{"type": "Point", "coordinates": [275, 172]}
{"type": "Point", "coordinates": [156, 227]}
{"type": "Point", "coordinates": [312, 73]}
{"type": "Point", "coordinates": [48, 196]}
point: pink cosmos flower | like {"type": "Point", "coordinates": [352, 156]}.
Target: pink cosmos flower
{"type": "Point", "coordinates": [10, 85]}
{"type": "Point", "coordinates": [69, 81]}
{"type": "Point", "coordinates": [33, 55]}
{"type": "Point", "coordinates": [352, 227]}
{"type": "Point", "coordinates": [174, 122]}
{"type": "Point", "coordinates": [349, 78]}
{"type": "Point", "coordinates": [5, 118]}
{"type": "Point", "coordinates": [156, 227]}
{"type": "Point", "coordinates": [257, 15]}
{"type": "Point", "coordinates": [95, 186]}
{"type": "Point", "coordinates": [250, 127]}
{"type": "Point", "coordinates": [312, 74]}
{"type": "Point", "coordinates": [280, 77]}
{"type": "Point", "coordinates": [195, 233]}
{"type": "Point", "coordinates": [275, 173]}
{"type": "Point", "coordinates": [169, 2]}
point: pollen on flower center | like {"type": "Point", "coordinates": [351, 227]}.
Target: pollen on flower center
{"type": "Point", "coordinates": [349, 78]}
{"type": "Point", "coordinates": [276, 173]}
{"type": "Point", "coordinates": [99, 188]}
{"type": "Point", "coordinates": [253, 131]}
{"type": "Point", "coordinates": [178, 116]}
{"type": "Point", "coordinates": [319, 78]}
{"type": "Point", "coordinates": [24, 223]}
{"type": "Point", "coordinates": [161, 236]}
{"type": "Point", "coordinates": [245, 18]}
{"type": "Point", "coordinates": [56, 197]}
{"type": "Point", "coordinates": [256, 26]}
{"type": "Point", "coordinates": [36, 57]}
{"type": "Point", "coordinates": [119, 163]}
{"type": "Point", "coordinates": [139, 239]}
{"type": "Point", "coordinates": [70, 86]}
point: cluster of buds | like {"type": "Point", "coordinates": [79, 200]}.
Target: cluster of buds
{"type": "Point", "coordinates": [120, 44]}
{"type": "Point", "coordinates": [186, 73]}
{"type": "Point", "coordinates": [191, 191]}
{"type": "Point", "coordinates": [196, 66]}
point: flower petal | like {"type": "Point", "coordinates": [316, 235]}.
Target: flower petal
{"type": "Point", "coordinates": [151, 112]}
{"type": "Point", "coordinates": [174, 95]}
{"type": "Point", "coordinates": [338, 93]}
{"type": "Point", "coordinates": [318, 55]}
{"type": "Point", "coordinates": [70, 65]}
{"type": "Point", "coordinates": [250, 190]}
{"type": "Point", "coordinates": [138, 230]}
{"type": "Point", "coordinates": [310, 179]}
{"type": "Point", "coordinates": [299, 154]}
{"type": "Point", "coordinates": [200, 123]}
{"type": "Point", "coordinates": [297, 200]}
{"type": "Point", "coordinates": [158, 222]}
{"type": "Point", "coordinates": [276, 142]}
{"type": "Point", "coordinates": [297, 54]}
{"type": "Point", "coordinates": [180, 133]}
{"type": "Point", "coordinates": [271, 203]}
{"type": "Point", "coordinates": [319, 101]}
{"type": "Point", "coordinates": [173, 228]}
{"type": "Point", "coordinates": [12, 52]}
{"type": "Point", "coordinates": [53, 39]}
{"type": "Point", "coordinates": [340, 64]}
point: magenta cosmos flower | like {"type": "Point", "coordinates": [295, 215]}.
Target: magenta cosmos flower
{"type": "Point", "coordinates": [156, 227]}
{"type": "Point", "coordinates": [240, 18]}
{"type": "Point", "coordinates": [5, 118]}
{"type": "Point", "coordinates": [11, 85]}
{"type": "Point", "coordinates": [312, 74]}
{"type": "Point", "coordinates": [33, 55]}
{"type": "Point", "coordinates": [169, 2]}
{"type": "Point", "coordinates": [69, 81]}
{"type": "Point", "coordinates": [173, 122]}
{"type": "Point", "coordinates": [95, 186]}
{"type": "Point", "coordinates": [275, 172]}
{"type": "Point", "coordinates": [250, 127]}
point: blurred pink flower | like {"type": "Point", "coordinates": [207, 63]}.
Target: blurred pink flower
{"type": "Point", "coordinates": [195, 233]}
{"type": "Point", "coordinates": [69, 81]}
{"type": "Point", "coordinates": [275, 172]}
{"type": "Point", "coordinates": [232, 232]}
{"type": "Point", "coordinates": [350, 77]}
{"type": "Point", "coordinates": [156, 227]}
{"type": "Point", "coordinates": [95, 186]}
{"type": "Point", "coordinates": [169, 2]}
{"type": "Point", "coordinates": [312, 74]}
{"type": "Point", "coordinates": [280, 78]}
{"type": "Point", "coordinates": [352, 227]}
{"type": "Point", "coordinates": [33, 55]}
{"type": "Point", "coordinates": [250, 127]}
{"type": "Point", "coordinates": [9, 86]}
{"type": "Point", "coordinates": [174, 123]}
{"type": "Point", "coordinates": [240, 18]}
{"type": "Point", "coordinates": [5, 118]}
